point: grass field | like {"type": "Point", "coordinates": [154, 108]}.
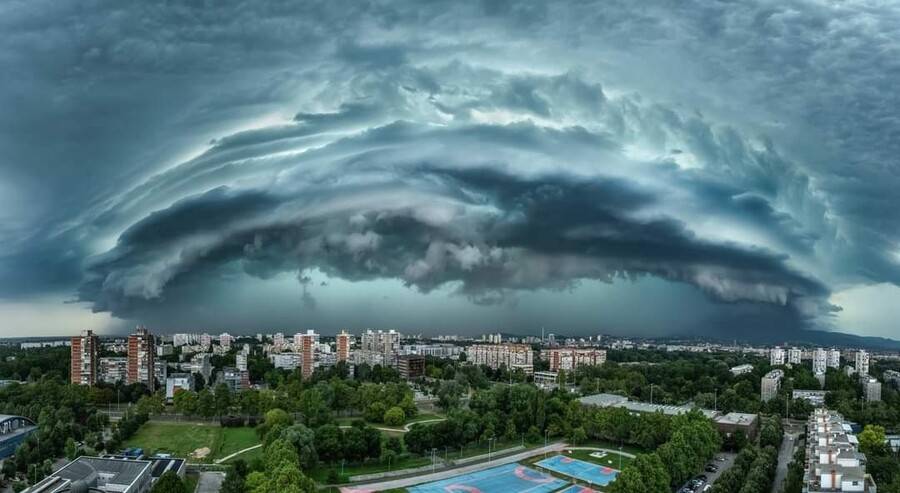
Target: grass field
{"type": "Point", "coordinates": [182, 439]}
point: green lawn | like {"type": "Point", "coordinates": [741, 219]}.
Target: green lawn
{"type": "Point", "coordinates": [182, 439]}
{"type": "Point", "coordinates": [611, 459]}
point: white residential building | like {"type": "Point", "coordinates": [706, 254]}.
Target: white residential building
{"type": "Point", "coordinates": [225, 340]}
{"type": "Point", "coordinates": [741, 369]}
{"type": "Point", "coordinates": [776, 356]}
{"type": "Point", "coordinates": [872, 389]}
{"type": "Point", "coordinates": [862, 362]}
{"type": "Point", "coordinates": [819, 361]}
{"type": "Point", "coordinates": [205, 341]}
{"type": "Point", "coordinates": [794, 355]}
{"type": "Point", "coordinates": [240, 361]}
{"type": "Point", "coordinates": [285, 361]}
{"type": "Point", "coordinates": [770, 384]}
{"type": "Point", "coordinates": [834, 358]}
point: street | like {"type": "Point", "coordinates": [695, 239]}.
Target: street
{"type": "Point", "coordinates": [785, 455]}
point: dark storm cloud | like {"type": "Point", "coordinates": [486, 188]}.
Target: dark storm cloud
{"type": "Point", "coordinates": [747, 149]}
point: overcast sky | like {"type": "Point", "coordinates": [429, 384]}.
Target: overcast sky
{"type": "Point", "coordinates": [628, 167]}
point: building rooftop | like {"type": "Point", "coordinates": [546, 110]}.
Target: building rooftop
{"type": "Point", "coordinates": [108, 474]}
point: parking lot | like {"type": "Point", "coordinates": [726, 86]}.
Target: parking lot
{"type": "Point", "coordinates": [711, 477]}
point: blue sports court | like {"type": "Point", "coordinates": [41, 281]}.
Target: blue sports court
{"type": "Point", "coordinates": [577, 489]}
{"type": "Point", "coordinates": [579, 469]}
{"type": "Point", "coordinates": [509, 478]}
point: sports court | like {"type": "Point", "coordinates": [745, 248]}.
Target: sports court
{"type": "Point", "coordinates": [579, 469]}
{"type": "Point", "coordinates": [508, 478]}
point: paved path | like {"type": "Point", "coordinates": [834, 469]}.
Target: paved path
{"type": "Point", "coordinates": [449, 473]}
{"type": "Point", "coordinates": [239, 452]}
{"type": "Point", "coordinates": [785, 455]}
{"type": "Point", "coordinates": [210, 482]}
{"type": "Point", "coordinates": [405, 428]}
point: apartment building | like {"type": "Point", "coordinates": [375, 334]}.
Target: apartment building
{"type": "Point", "coordinates": [794, 356]}
{"type": "Point", "coordinates": [141, 358]}
{"type": "Point", "coordinates": [113, 369]}
{"type": "Point", "coordinates": [770, 384]}
{"type": "Point", "coordinates": [571, 358]}
{"type": "Point", "coordinates": [512, 356]}
{"type": "Point", "coordinates": [833, 360]}
{"type": "Point", "coordinates": [776, 356]}
{"type": "Point", "coordinates": [872, 390]}
{"type": "Point", "coordinates": [305, 345]}
{"type": "Point", "coordinates": [862, 363]}
{"type": "Point", "coordinates": [84, 358]}
{"type": "Point", "coordinates": [411, 366]}
{"type": "Point", "coordinates": [342, 346]}
{"type": "Point", "coordinates": [385, 344]}
{"type": "Point", "coordinates": [819, 361]}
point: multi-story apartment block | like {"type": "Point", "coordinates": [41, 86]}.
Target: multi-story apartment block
{"type": "Point", "coordinates": [240, 361]}
{"type": "Point", "coordinates": [872, 388]}
{"type": "Point", "coordinates": [84, 358]}
{"type": "Point", "coordinates": [571, 358]}
{"type": "Point", "coordinates": [225, 340]}
{"type": "Point", "coordinates": [385, 344]}
{"type": "Point", "coordinates": [770, 384]}
{"type": "Point", "coordinates": [235, 379]}
{"type": "Point", "coordinates": [285, 361]}
{"type": "Point", "coordinates": [305, 344]}
{"type": "Point", "coordinates": [411, 366]}
{"type": "Point", "coordinates": [141, 358]}
{"type": "Point", "coordinates": [278, 342]}
{"type": "Point", "coordinates": [513, 356]}
{"type": "Point", "coordinates": [833, 464]}
{"type": "Point", "coordinates": [833, 359]}
{"type": "Point", "coordinates": [113, 369]}
{"type": "Point", "coordinates": [862, 363]}
{"type": "Point", "coordinates": [776, 356]}
{"type": "Point", "coordinates": [183, 339]}
{"type": "Point", "coordinates": [342, 346]}
{"type": "Point", "coordinates": [205, 341]}
{"type": "Point", "coordinates": [794, 355]}
{"type": "Point", "coordinates": [819, 361]}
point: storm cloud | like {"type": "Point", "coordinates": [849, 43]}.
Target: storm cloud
{"type": "Point", "coordinates": [474, 151]}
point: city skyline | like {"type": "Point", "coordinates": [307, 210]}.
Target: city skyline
{"type": "Point", "coordinates": [646, 171]}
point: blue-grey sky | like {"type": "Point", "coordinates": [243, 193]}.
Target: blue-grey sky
{"type": "Point", "coordinates": [637, 168]}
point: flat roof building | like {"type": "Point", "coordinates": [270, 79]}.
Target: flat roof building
{"type": "Point", "coordinates": [411, 366]}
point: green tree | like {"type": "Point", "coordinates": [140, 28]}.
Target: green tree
{"type": "Point", "coordinates": [394, 416]}
{"type": "Point", "coordinates": [71, 449]}
{"type": "Point", "coordinates": [872, 440]}
{"type": "Point", "coordinates": [169, 482]}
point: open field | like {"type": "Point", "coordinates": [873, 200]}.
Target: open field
{"type": "Point", "coordinates": [189, 440]}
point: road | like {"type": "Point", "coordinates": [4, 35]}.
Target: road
{"type": "Point", "coordinates": [785, 454]}
{"type": "Point", "coordinates": [449, 473]}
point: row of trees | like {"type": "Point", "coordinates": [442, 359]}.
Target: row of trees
{"type": "Point", "coordinates": [753, 471]}
{"type": "Point", "coordinates": [318, 402]}
{"type": "Point", "coordinates": [692, 443]}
